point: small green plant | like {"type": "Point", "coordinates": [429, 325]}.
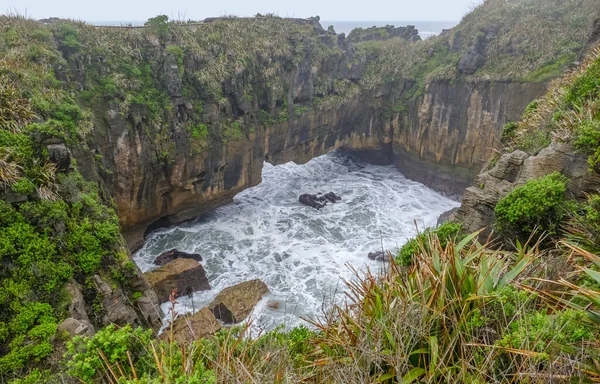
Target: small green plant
{"type": "Point", "coordinates": [541, 332]}
{"type": "Point", "coordinates": [445, 233]}
{"type": "Point", "coordinates": [538, 204]}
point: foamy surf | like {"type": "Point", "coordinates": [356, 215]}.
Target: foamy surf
{"type": "Point", "coordinates": [301, 253]}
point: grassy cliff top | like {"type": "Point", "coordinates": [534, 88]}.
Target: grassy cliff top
{"type": "Point", "coordinates": [514, 40]}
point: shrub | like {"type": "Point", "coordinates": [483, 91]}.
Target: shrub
{"type": "Point", "coordinates": [509, 131]}
{"type": "Point", "coordinates": [537, 204]}
{"type": "Point", "coordinates": [587, 139]}
{"type": "Point", "coordinates": [540, 332]}
{"type": "Point", "coordinates": [84, 355]}
{"type": "Point", "coordinates": [445, 232]}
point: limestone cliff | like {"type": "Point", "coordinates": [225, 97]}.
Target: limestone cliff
{"type": "Point", "coordinates": [185, 115]}
{"type": "Point", "coordinates": [450, 132]}
{"type": "Point", "coordinates": [206, 141]}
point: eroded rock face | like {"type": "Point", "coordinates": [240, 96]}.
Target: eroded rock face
{"type": "Point", "coordinates": [185, 275]}
{"type": "Point", "coordinates": [59, 154]}
{"type": "Point", "coordinates": [234, 304]}
{"type": "Point", "coordinates": [515, 169]}
{"type": "Point", "coordinates": [74, 327]}
{"type": "Point", "coordinates": [193, 327]}
{"type": "Point", "coordinates": [446, 137]}
{"type": "Point", "coordinates": [118, 309]}
{"type": "Point", "coordinates": [174, 254]}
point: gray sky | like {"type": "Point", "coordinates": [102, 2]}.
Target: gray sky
{"type": "Point", "coordinates": [369, 10]}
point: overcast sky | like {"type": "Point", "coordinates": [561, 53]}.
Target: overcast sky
{"type": "Point", "coordinates": [335, 10]}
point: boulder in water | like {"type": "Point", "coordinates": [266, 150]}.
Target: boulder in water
{"type": "Point", "coordinates": [234, 304]}
{"type": "Point", "coordinates": [173, 254]}
{"type": "Point", "coordinates": [312, 201]}
{"type": "Point", "coordinates": [379, 256]}
{"type": "Point", "coordinates": [319, 201]}
{"type": "Point", "coordinates": [185, 275]}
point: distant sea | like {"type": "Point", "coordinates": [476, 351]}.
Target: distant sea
{"type": "Point", "coordinates": [426, 28]}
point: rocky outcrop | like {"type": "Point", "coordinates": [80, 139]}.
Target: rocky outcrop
{"type": "Point", "coordinates": [59, 154]}
{"type": "Point", "coordinates": [192, 327]}
{"type": "Point", "coordinates": [118, 310]}
{"type": "Point", "coordinates": [73, 327]}
{"type": "Point", "coordinates": [234, 304]}
{"type": "Point", "coordinates": [174, 254]}
{"type": "Point", "coordinates": [185, 275]}
{"type": "Point", "coordinates": [515, 169]}
{"type": "Point", "coordinates": [409, 33]}
{"type": "Point", "coordinates": [447, 135]}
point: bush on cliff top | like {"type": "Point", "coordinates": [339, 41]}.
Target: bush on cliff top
{"type": "Point", "coordinates": [539, 204]}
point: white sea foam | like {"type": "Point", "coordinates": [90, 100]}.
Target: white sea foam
{"type": "Point", "coordinates": [301, 253]}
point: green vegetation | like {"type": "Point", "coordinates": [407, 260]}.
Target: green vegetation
{"type": "Point", "coordinates": [462, 313]}
{"type": "Point", "coordinates": [516, 38]}
{"type": "Point", "coordinates": [567, 113]}
{"type": "Point", "coordinates": [448, 310]}
{"type": "Point", "coordinates": [445, 233]}
{"type": "Point", "coordinates": [61, 231]}
{"type": "Point", "coordinates": [539, 204]}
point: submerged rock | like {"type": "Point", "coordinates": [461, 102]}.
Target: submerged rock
{"type": "Point", "coordinates": [174, 254]}
{"type": "Point", "coordinates": [185, 275]}
{"type": "Point", "coordinates": [193, 327]}
{"type": "Point", "coordinates": [234, 304]}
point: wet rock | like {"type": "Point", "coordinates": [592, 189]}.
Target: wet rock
{"type": "Point", "coordinates": [75, 327]}
{"type": "Point", "coordinates": [312, 201]}
{"type": "Point", "coordinates": [379, 256]}
{"type": "Point", "coordinates": [234, 304]}
{"type": "Point", "coordinates": [185, 275]}
{"type": "Point", "coordinates": [274, 304]}
{"type": "Point", "coordinates": [445, 217]}
{"type": "Point", "coordinates": [319, 201]}
{"type": "Point", "coordinates": [332, 197]}
{"type": "Point", "coordinates": [174, 254]}
{"type": "Point", "coordinates": [193, 327]}
{"type": "Point", "coordinates": [60, 155]}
